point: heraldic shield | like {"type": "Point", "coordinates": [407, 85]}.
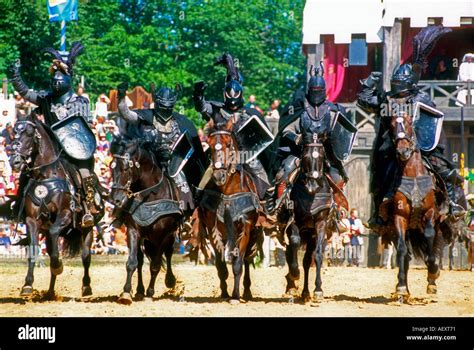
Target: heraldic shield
{"type": "Point", "coordinates": [427, 123]}
{"type": "Point", "coordinates": [342, 137]}
{"type": "Point", "coordinates": [253, 137]}
{"type": "Point", "coordinates": [75, 137]}
{"type": "Point", "coordinates": [181, 152]}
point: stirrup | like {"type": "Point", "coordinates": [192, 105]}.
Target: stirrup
{"type": "Point", "coordinates": [456, 211]}
{"type": "Point", "coordinates": [87, 220]}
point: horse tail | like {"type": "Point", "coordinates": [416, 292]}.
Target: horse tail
{"type": "Point", "coordinates": [229, 227]}
{"type": "Point", "coordinates": [151, 251]}
{"type": "Point", "coordinates": [72, 243]}
{"type": "Point", "coordinates": [419, 244]}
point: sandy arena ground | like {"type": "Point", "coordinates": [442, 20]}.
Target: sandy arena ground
{"type": "Point", "coordinates": [348, 291]}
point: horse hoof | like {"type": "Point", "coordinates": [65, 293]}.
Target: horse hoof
{"type": "Point", "coordinates": [139, 297]}
{"type": "Point", "coordinates": [125, 299]}
{"type": "Point", "coordinates": [433, 276]}
{"type": "Point", "coordinates": [170, 282]}
{"type": "Point", "coordinates": [305, 296]}
{"type": "Point", "coordinates": [225, 295]}
{"type": "Point", "coordinates": [57, 270]}
{"type": "Point", "coordinates": [50, 295]}
{"type": "Point", "coordinates": [247, 296]}
{"type": "Point", "coordinates": [292, 292]}
{"type": "Point", "coordinates": [431, 289]}
{"type": "Point", "coordinates": [318, 296]}
{"type": "Point", "coordinates": [86, 291]}
{"type": "Point", "coordinates": [234, 301]}
{"type": "Point", "coordinates": [26, 291]}
{"type": "Point", "coordinates": [402, 291]}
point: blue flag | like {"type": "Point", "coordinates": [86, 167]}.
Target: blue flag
{"type": "Point", "coordinates": [62, 10]}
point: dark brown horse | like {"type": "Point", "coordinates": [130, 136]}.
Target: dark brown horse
{"type": "Point", "coordinates": [310, 216]}
{"type": "Point", "coordinates": [413, 213]}
{"type": "Point", "coordinates": [147, 201]}
{"type": "Point", "coordinates": [49, 203]}
{"type": "Point", "coordinates": [228, 210]}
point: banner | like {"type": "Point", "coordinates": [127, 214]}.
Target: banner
{"type": "Point", "coordinates": [62, 10]}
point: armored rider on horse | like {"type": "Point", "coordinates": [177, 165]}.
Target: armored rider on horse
{"type": "Point", "coordinates": [171, 137]}
{"type": "Point", "coordinates": [405, 95]}
{"type": "Point", "coordinates": [67, 115]}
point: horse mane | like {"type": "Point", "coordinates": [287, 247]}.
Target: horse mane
{"type": "Point", "coordinates": [51, 135]}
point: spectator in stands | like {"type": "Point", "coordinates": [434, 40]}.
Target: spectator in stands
{"type": "Point", "coordinates": [101, 107]}
{"type": "Point", "coordinates": [80, 92]}
{"type": "Point", "coordinates": [8, 134]}
{"type": "Point", "coordinates": [356, 230]}
{"type": "Point", "coordinates": [251, 103]}
{"type": "Point", "coordinates": [466, 73]}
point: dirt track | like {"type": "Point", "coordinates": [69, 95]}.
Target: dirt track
{"type": "Point", "coordinates": [348, 292]}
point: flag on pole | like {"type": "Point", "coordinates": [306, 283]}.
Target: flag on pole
{"type": "Point", "coordinates": [62, 10]}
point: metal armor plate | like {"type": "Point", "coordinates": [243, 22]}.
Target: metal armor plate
{"type": "Point", "coordinates": [75, 137]}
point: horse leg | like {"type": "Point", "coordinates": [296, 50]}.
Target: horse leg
{"type": "Point", "coordinates": [140, 295]}
{"type": "Point", "coordinates": [451, 255]}
{"type": "Point", "coordinates": [237, 269]}
{"type": "Point", "coordinates": [307, 259]}
{"type": "Point", "coordinates": [131, 266]}
{"type": "Point", "coordinates": [247, 282]}
{"type": "Point", "coordinates": [430, 235]}
{"type": "Point", "coordinates": [56, 266]}
{"type": "Point", "coordinates": [170, 279]}
{"type": "Point", "coordinates": [320, 235]}
{"type": "Point", "coordinates": [86, 263]}
{"type": "Point", "coordinates": [33, 231]}
{"type": "Point", "coordinates": [223, 273]}
{"type": "Point", "coordinates": [402, 257]}
{"type": "Point", "coordinates": [291, 255]}
{"type": "Point", "coordinates": [155, 267]}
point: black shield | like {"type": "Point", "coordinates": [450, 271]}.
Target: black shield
{"type": "Point", "coordinates": [181, 152]}
{"type": "Point", "coordinates": [253, 137]}
{"type": "Point", "coordinates": [342, 137]}
{"type": "Point", "coordinates": [427, 123]}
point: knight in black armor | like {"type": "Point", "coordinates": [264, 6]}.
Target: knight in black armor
{"type": "Point", "coordinates": [61, 108]}
{"type": "Point", "coordinates": [404, 92]}
{"type": "Point", "coordinates": [171, 137]}
{"type": "Point", "coordinates": [233, 108]}
{"type": "Point", "coordinates": [307, 116]}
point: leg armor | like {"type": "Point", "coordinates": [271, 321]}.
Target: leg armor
{"type": "Point", "coordinates": [453, 183]}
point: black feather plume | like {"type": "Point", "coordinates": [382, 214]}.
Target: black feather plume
{"type": "Point", "coordinates": [76, 50]}
{"type": "Point", "coordinates": [53, 52]}
{"type": "Point", "coordinates": [423, 44]}
{"type": "Point", "coordinates": [232, 72]}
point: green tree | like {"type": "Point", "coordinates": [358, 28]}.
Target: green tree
{"type": "Point", "coordinates": [165, 42]}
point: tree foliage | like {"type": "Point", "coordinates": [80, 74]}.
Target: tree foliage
{"type": "Point", "coordinates": [164, 42]}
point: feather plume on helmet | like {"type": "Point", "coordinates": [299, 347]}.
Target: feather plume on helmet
{"type": "Point", "coordinates": [423, 44]}
{"type": "Point", "coordinates": [65, 63]}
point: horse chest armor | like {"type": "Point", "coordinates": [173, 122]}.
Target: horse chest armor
{"type": "Point", "coordinates": [318, 123]}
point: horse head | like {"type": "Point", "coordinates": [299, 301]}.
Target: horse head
{"type": "Point", "coordinates": [26, 145]}
{"type": "Point", "coordinates": [224, 153]}
{"type": "Point", "coordinates": [403, 136]}
{"type": "Point", "coordinates": [130, 162]}
{"type": "Point", "coordinates": [312, 164]}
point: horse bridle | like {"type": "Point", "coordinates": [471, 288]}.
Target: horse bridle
{"type": "Point", "coordinates": [401, 134]}
{"type": "Point", "coordinates": [218, 147]}
{"type": "Point", "coordinates": [20, 128]}
{"type": "Point", "coordinates": [316, 154]}
{"type": "Point", "coordinates": [129, 165]}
